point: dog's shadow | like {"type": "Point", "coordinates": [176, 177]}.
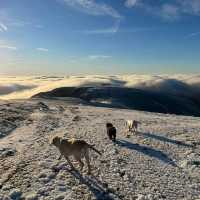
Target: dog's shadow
{"type": "Point", "coordinates": [99, 189]}
{"type": "Point", "coordinates": [164, 139]}
{"type": "Point", "coordinates": [147, 151]}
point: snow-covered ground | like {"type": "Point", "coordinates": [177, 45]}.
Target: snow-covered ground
{"type": "Point", "coordinates": [161, 161]}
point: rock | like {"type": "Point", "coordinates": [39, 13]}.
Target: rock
{"type": "Point", "coordinates": [114, 151]}
{"type": "Point", "coordinates": [5, 197]}
{"type": "Point", "coordinates": [6, 152]}
{"type": "Point", "coordinates": [51, 175]}
{"type": "Point", "coordinates": [149, 197]}
{"type": "Point", "coordinates": [15, 194]}
{"type": "Point", "coordinates": [196, 163]}
{"type": "Point", "coordinates": [60, 197]}
{"type": "Point", "coordinates": [76, 118]}
{"type": "Point", "coordinates": [184, 164]}
{"type": "Point", "coordinates": [61, 109]}
{"type": "Point", "coordinates": [140, 197]}
{"type": "Point", "coordinates": [6, 187]}
{"type": "Point", "coordinates": [43, 106]}
{"type": "Point", "coordinates": [126, 177]}
{"type": "Point", "coordinates": [62, 188]}
{"type": "Point", "coordinates": [122, 173]}
{"type": "Point", "coordinates": [10, 152]}
{"type": "Point", "coordinates": [31, 196]}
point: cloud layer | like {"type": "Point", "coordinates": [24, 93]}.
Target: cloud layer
{"type": "Point", "coordinates": [7, 47]}
{"type": "Point", "coordinates": [10, 88]}
{"type": "Point", "coordinates": [177, 84]}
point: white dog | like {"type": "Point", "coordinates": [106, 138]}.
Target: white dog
{"type": "Point", "coordinates": [132, 125]}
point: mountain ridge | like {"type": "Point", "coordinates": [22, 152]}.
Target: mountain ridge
{"type": "Point", "coordinates": [130, 98]}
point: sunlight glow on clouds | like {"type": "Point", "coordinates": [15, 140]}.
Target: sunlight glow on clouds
{"type": "Point", "coordinates": [42, 49]}
{"type": "Point", "coordinates": [96, 57]}
{"type": "Point", "coordinates": [8, 47]}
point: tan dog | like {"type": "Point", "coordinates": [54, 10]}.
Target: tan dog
{"type": "Point", "coordinates": [78, 148]}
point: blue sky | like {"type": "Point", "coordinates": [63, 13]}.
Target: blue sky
{"type": "Point", "coordinates": [99, 37]}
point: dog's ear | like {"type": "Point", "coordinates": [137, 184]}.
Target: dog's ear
{"type": "Point", "coordinates": [56, 140]}
{"type": "Point", "coordinates": [108, 124]}
{"type": "Point", "coordinates": [51, 140]}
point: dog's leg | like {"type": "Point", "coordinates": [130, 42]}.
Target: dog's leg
{"type": "Point", "coordinates": [59, 158]}
{"type": "Point", "coordinates": [88, 161]}
{"type": "Point", "coordinates": [128, 130]}
{"type": "Point", "coordinates": [71, 165]}
{"type": "Point", "coordinates": [114, 137]}
{"type": "Point", "coordinates": [136, 129]}
{"type": "Point", "coordinates": [80, 162]}
{"type": "Point", "coordinates": [110, 136]}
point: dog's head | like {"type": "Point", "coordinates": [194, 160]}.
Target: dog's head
{"type": "Point", "coordinates": [71, 140]}
{"type": "Point", "coordinates": [108, 125]}
{"type": "Point", "coordinates": [56, 141]}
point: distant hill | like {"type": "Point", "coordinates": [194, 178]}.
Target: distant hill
{"type": "Point", "coordinates": [130, 98]}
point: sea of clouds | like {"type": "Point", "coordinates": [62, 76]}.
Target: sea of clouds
{"type": "Point", "coordinates": [22, 87]}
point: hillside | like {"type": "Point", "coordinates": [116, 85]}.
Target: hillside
{"type": "Point", "coordinates": [162, 161]}
{"type": "Point", "coordinates": [130, 98]}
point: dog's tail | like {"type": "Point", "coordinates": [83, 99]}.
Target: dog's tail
{"type": "Point", "coordinates": [94, 149]}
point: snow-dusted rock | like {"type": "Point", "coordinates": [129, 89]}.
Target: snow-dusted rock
{"type": "Point", "coordinates": [15, 194]}
{"type": "Point", "coordinates": [31, 196]}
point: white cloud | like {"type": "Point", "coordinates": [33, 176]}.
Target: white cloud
{"type": "Point", "coordinates": [96, 57]}
{"type": "Point", "coordinates": [179, 8]}
{"type": "Point", "coordinates": [91, 7]}
{"type": "Point", "coordinates": [130, 3]}
{"type": "Point", "coordinates": [190, 6]}
{"type": "Point", "coordinates": [3, 27]}
{"type": "Point", "coordinates": [112, 30]}
{"type": "Point", "coordinates": [168, 10]}
{"type": "Point", "coordinates": [193, 34]}
{"type": "Point", "coordinates": [14, 22]}
{"type": "Point", "coordinates": [39, 26]}
{"type": "Point", "coordinates": [8, 47]}
{"type": "Point", "coordinates": [42, 49]}
{"type": "Point", "coordinates": [116, 29]}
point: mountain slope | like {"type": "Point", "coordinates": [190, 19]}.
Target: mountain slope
{"type": "Point", "coordinates": [160, 162]}
{"type": "Point", "coordinates": [130, 98]}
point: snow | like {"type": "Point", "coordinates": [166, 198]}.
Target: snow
{"type": "Point", "coordinates": [161, 161]}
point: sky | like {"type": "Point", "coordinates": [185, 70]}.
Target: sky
{"type": "Point", "coordinates": [54, 37]}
